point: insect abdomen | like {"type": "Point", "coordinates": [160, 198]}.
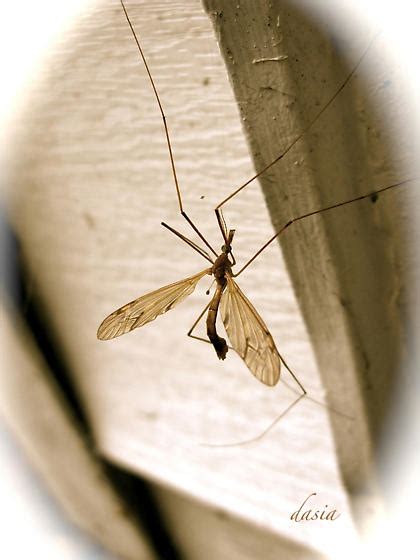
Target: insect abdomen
{"type": "Point", "coordinates": [219, 343]}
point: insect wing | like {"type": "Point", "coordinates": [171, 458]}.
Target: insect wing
{"type": "Point", "coordinates": [146, 308]}
{"type": "Point", "coordinates": [249, 335]}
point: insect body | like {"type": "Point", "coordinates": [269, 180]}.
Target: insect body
{"type": "Point", "coordinates": [220, 270]}
{"type": "Point", "coordinates": [246, 330]}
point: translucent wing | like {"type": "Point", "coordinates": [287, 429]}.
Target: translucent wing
{"type": "Point", "coordinates": [249, 335]}
{"type": "Point", "coordinates": [146, 308]}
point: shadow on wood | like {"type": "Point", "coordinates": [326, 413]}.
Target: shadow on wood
{"type": "Point", "coordinates": [347, 265]}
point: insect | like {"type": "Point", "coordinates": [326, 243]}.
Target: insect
{"type": "Point", "coordinates": [246, 330]}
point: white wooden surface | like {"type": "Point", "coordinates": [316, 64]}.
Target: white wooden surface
{"type": "Point", "coordinates": [35, 411]}
{"type": "Point", "coordinates": [91, 183]}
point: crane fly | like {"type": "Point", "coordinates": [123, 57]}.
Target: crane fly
{"type": "Point", "coordinates": [247, 332]}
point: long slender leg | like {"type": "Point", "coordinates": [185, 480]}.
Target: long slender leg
{"type": "Point", "coordinates": [188, 242]}
{"type": "Point", "coordinates": [303, 216]}
{"type": "Point", "coordinates": [296, 140]}
{"type": "Point", "coordinates": [301, 394]}
{"type": "Point", "coordinates": [224, 231]}
{"type": "Point", "coordinates": [168, 139]}
{"type": "Point", "coordinates": [197, 231]}
{"type": "Point", "coordinates": [189, 333]}
{"type": "Point", "coordinates": [295, 379]}
{"type": "Point", "coordinates": [263, 433]}
{"type": "Point", "coordinates": [222, 224]}
{"type": "Point", "coordinates": [305, 394]}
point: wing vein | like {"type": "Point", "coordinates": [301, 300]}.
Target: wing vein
{"type": "Point", "coordinates": [249, 335]}
{"type": "Point", "coordinates": [146, 308]}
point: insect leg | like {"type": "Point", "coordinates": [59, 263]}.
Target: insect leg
{"type": "Point", "coordinates": [168, 139]}
{"type": "Point", "coordinates": [296, 380]}
{"type": "Point", "coordinates": [188, 242]}
{"type": "Point", "coordinates": [189, 333]}
{"type": "Point", "coordinates": [304, 393]}
{"type": "Point", "coordinates": [313, 213]}
{"type": "Point", "coordinates": [299, 136]}
{"type": "Point", "coordinates": [197, 231]}
{"type": "Point", "coordinates": [221, 223]}
{"type": "Point", "coordinates": [263, 433]}
{"type": "Point", "coordinates": [301, 393]}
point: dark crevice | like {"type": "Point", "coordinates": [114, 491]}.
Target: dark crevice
{"type": "Point", "coordinates": [139, 498]}
{"type": "Point", "coordinates": [20, 291]}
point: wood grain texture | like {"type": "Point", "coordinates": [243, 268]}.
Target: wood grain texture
{"type": "Point", "coordinates": [36, 412]}
{"type": "Point", "coordinates": [213, 534]}
{"type": "Point", "coordinates": [349, 266]}
{"type": "Point", "coordinates": [91, 182]}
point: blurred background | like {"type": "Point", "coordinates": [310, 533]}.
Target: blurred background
{"type": "Point", "coordinates": [84, 187]}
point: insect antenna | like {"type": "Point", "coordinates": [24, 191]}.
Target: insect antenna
{"type": "Point", "coordinates": [168, 139]}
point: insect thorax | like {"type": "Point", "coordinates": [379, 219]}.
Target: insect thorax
{"type": "Point", "coordinates": [221, 265]}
